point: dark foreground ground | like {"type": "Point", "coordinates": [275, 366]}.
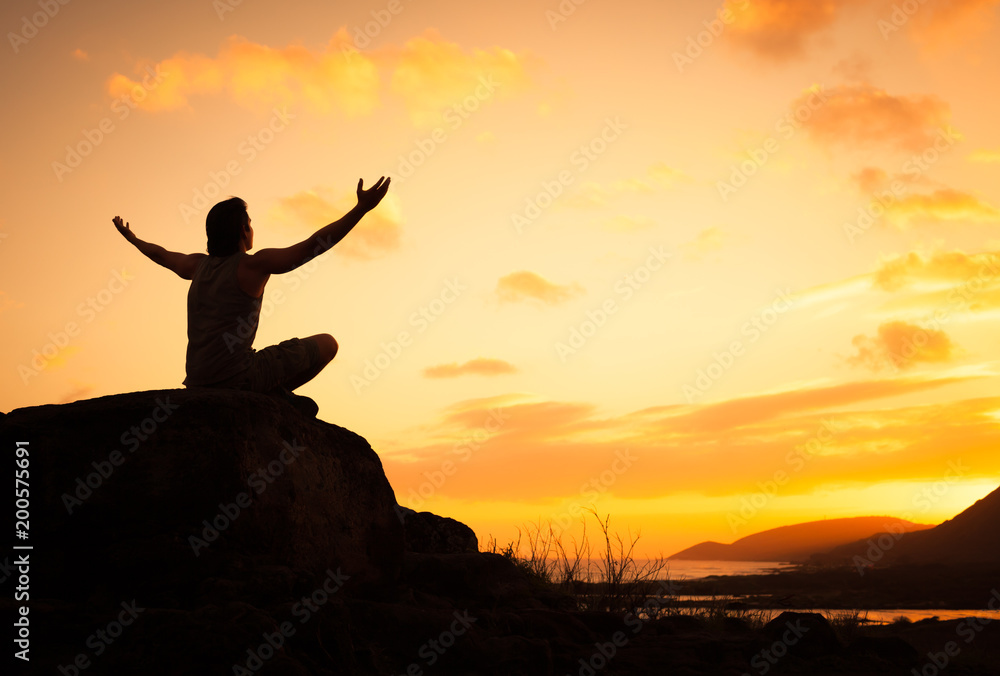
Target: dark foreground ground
{"type": "Point", "coordinates": [479, 614]}
{"type": "Point", "coordinates": [238, 537]}
{"type": "Point", "coordinates": [917, 587]}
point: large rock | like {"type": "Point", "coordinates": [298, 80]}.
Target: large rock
{"type": "Point", "coordinates": [428, 533]}
{"type": "Point", "coordinates": [168, 487]}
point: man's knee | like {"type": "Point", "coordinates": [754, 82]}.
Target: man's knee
{"type": "Point", "coordinates": [327, 347]}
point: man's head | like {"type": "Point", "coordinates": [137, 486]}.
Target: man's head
{"type": "Point", "coordinates": [228, 228]}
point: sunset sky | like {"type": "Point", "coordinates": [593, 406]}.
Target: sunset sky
{"type": "Point", "coordinates": [708, 267]}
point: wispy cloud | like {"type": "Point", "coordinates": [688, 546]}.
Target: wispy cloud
{"type": "Point", "coordinates": [864, 116]}
{"type": "Point", "coordinates": [528, 286]}
{"type": "Point", "coordinates": [900, 345]}
{"type": "Point", "coordinates": [780, 29]}
{"type": "Point", "coordinates": [376, 236]}
{"type": "Point", "coordinates": [546, 450]}
{"type": "Point", "coordinates": [481, 366]}
{"type": "Point", "coordinates": [707, 241]}
{"type": "Point", "coordinates": [657, 177]}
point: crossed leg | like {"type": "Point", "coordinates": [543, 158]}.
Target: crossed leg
{"type": "Point", "coordinates": [327, 351]}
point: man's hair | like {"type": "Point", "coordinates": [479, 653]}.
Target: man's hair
{"type": "Point", "coordinates": [224, 225]}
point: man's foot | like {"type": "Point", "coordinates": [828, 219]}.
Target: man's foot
{"type": "Point", "coordinates": [303, 405]}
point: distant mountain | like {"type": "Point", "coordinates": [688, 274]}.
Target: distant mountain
{"type": "Point", "coordinates": [798, 542]}
{"type": "Point", "coordinates": [970, 537]}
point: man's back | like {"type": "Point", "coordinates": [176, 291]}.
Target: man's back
{"type": "Point", "coordinates": [222, 322]}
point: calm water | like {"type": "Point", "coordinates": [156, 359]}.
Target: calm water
{"type": "Point", "coordinates": [691, 570]}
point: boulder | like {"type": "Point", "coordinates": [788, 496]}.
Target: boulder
{"type": "Point", "coordinates": [805, 635]}
{"type": "Point", "coordinates": [158, 491]}
{"type": "Point", "coordinates": [428, 533]}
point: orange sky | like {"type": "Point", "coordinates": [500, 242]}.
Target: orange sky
{"type": "Point", "coordinates": [708, 267]}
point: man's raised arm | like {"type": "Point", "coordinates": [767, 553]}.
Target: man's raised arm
{"type": "Point", "coordinates": [184, 265]}
{"type": "Point", "coordinates": [278, 261]}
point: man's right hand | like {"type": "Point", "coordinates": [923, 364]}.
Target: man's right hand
{"type": "Point", "coordinates": [369, 199]}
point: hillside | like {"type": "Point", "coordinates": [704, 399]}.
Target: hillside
{"type": "Point", "coordinates": [797, 542]}
{"type": "Point", "coordinates": [969, 537]}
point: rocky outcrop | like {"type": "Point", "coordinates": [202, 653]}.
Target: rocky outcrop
{"type": "Point", "coordinates": [428, 533]}
{"type": "Point", "coordinates": [160, 487]}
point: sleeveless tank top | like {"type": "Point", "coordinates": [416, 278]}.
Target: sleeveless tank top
{"type": "Point", "coordinates": [222, 322]}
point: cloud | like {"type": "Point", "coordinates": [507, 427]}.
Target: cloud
{"type": "Point", "coordinates": [259, 77]}
{"type": "Point", "coordinates": [779, 29]}
{"type": "Point", "coordinates": [864, 116]}
{"type": "Point", "coordinates": [622, 223]}
{"type": "Point", "coordinates": [707, 241]}
{"type": "Point", "coordinates": [7, 303]}
{"type": "Point", "coordinates": [947, 268]}
{"type": "Point", "coordinates": [900, 345]}
{"type": "Point", "coordinates": [80, 55]}
{"type": "Point", "coordinates": [944, 24]}
{"type": "Point", "coordinates": [481, 366]}
{"type": "Point", "coordinates": [77, 393]}
{"type": "Point", "coordinates": [870, 179]}
{"type": "Point", "coordinates": [903, 209]}
{"type": "Point", "coordinates": [528, 286]}
{"type": "Point", "coordinates": [985, 155]}
{"type": "Point", "coordinates": [429, 73]}
{"type": "Point", "coordinates": [377, 235]}
{"type": "Point", "coordinates": [657, 177]}
{"type": "Point", "coordinates": [438, 81]}
{"type": "Point", "coordinates": [847, 433]}
{"type": "Point", "coordinates": [855, 68]}
{"type": "Point", "coordinates": [941, 205]}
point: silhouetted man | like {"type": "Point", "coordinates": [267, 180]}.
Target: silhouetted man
{"type": "Point", "coordinates": [224, 299]}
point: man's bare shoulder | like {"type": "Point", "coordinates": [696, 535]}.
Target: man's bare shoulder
{"type": "Point", "coordinates": [251, 277]}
